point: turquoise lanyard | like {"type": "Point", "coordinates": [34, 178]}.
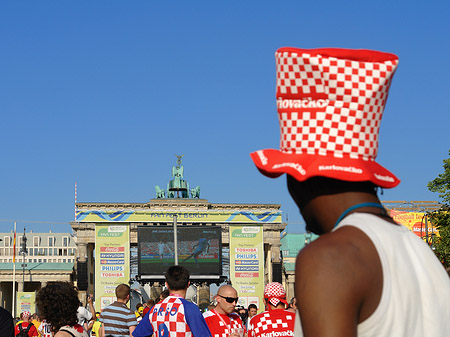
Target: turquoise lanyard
{"type": "Point", "coordinates": [352, 208]}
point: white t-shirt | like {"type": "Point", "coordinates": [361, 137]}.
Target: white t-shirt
{"type": "Point", "coordinates": [415, 300]}
{"type": "Point", "coordinates": [44, 329]}
{"type": "Point", "coordinates": [83, 315]}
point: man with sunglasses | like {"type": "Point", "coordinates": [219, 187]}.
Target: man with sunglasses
{"type": "Point", "coordinates": [223, 321]}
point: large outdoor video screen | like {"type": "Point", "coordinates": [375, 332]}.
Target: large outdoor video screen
{"type": "Point", "coordinates": [199, 249]}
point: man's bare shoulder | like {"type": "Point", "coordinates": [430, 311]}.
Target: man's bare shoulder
{"type": "Point", "coordinates": [347, 245]}
{"type": "Point", "coordinates": [345, 259]}
{"type": "Point", "coordinates": [340, 275]}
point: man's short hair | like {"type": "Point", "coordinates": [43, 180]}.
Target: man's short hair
{"type": "Point", "coordinates": [177, 278]}
{"type": "Point", "coordinates": [252, 306]}
{"type": "Point", "coordinates": [122, 291]}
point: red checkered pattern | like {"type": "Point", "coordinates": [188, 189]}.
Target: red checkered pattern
{"type": "Point", "coordinates": [219, 328]}
{"type": "Point", "coordinates": [351, 94]}
{"type": "Point", "coordinates": [26, 314]}
{"type": "Point", "coordinates": [173, 316]}
{"type": "Point", "coordinates": [274, 291]}
{"type": "Point", "coordinates": [278, 320]}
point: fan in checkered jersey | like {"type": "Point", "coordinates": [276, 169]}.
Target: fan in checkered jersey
{"type": "Point", "coordinates": [175, 324]}
{"type": "Point", "coordinates": [227, 331]}
{"type": "Point", "coordinates": [266, 323]}
{"type": "Point", "coordinates": [356, 92]}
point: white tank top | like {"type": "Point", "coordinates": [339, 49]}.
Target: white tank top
{"type": "Point", "coordinates": [415, 300]}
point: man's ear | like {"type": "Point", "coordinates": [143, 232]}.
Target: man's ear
{"type": "Point", "coordinates": [167, 286]}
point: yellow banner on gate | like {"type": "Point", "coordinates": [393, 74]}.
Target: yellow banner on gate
{"type": "Point", "coordinates": [112, 261]}
{"type": "Point", "coordinates": [247, 264]}
{"type": "Point", "coordinates": [190, 216]}
{"type": "Point", "coordinates": [26, 301]}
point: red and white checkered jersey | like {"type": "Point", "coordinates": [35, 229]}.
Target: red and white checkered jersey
{"type": "Point", "coordinates": [221, 325]}
{"type": "Point", "coordinates": [173, 317]}
{"type": "Point", "coordinates": [273, 323]}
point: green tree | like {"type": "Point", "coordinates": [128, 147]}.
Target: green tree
{"type": "Point", "coordinates": [441, 218]}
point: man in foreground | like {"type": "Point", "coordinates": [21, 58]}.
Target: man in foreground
{"type": "Point", "coordinates": [174, 316]}
{"type": "Point", "coordinates": [117, 319]}
{"type": "Point", "coordinates": [365, 275]}
{"type": "Point", "coordinates": [275, 321]}
{"type": "Point", "coordinates": [223, 321]}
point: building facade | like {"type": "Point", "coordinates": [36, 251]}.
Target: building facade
{"type": "Point", "coordinates": [50, 257]}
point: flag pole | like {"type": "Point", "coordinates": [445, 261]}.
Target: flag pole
{"type": "Point", "coordinates": [14, 275]}
{"type": "Point", "coordinates": [75, 218]}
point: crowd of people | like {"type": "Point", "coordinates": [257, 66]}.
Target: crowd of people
{"type": "Point", "coordinates": [171, 315]}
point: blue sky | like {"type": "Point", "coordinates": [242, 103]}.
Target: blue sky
{"type": "Point", "coordinates": [106, 93]}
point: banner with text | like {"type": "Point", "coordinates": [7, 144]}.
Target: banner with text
{"type": "Point", "coordinates": [112, 261]}
{"type": "Point", "coordinates": [167, 216]}
{"type": "Point", "coordinates": [247, 264]}
{"type": "Point", "coordinates": [415, 221]}
{"type": "Point", "coordinates": [25, 302]}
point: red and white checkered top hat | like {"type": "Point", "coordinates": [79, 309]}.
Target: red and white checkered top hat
{"type": "Point", "coordinates": [275, 293]}
{"type": "Point", "coordinates": [330, 103]}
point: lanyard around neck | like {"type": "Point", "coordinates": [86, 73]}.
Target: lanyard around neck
{"type": "Point", "coordinates": [221, 318]}
{"type": "Point", "coordinates": [352, 208]}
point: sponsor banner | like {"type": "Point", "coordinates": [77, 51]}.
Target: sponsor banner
{"type": "Point", "coordinates": [247, 264]}
{"type": "Point", "coordinates": [112, 249]}
{"type": "Point", "coordinates": [193, 217]}
{"type": "Point", "coordinates": [25, 302]}
{"type": "Point", "coordinates": [414, 221]}
{"type": "Point", "coordinates": [112, 258]}
{"type": "Point", "coordinates": [112, 261]}
{"type": "Point", "coordinates": [112, 255]}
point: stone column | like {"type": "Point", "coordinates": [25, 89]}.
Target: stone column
{"type": "Point", "coordinates": [82, 251]}
{"type": "Point", "coordinates": [268, 274]}
{"type": "Point", "coordinates": [156, 291]}
{"type": "Point", "coordinates": [290, 284]}
{"type": "Point", "coordinates": [82, 257]}
{"type": "Point", "coordinates": [203, 296]}
{"type": "Point", "coordinates": [276, 252]}
{"type": "Point", "coordinates": [90, 266]}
